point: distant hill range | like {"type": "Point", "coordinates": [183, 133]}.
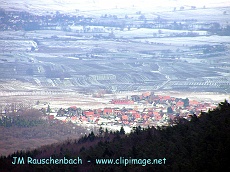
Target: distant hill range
{"type": "Point", "coordinates": [73, 6]}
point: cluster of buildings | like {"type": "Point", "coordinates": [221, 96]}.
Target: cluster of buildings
{"type": "Point", "coordinates": [144, 110]}
{"type": "Point", "coordinates": [15, 20]}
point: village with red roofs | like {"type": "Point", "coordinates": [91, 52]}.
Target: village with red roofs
{"type": "Point", "coordinates": [142, 110]}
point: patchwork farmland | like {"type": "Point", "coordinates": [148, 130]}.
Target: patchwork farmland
{"type": "Point", "coordinates": [141, 50]}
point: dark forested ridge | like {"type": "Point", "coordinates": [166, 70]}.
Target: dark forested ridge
{"type": "Point", "coordinates": [28, 129]}
{"type": "Point", "coordinates": [201, 145]}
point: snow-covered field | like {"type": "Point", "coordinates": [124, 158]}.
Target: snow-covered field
{"type": "Point", "coordinates": [179, 41]}
{"type": "Point", "coordinates": [199, 96]}
{"type": "Point", "coordinates": [21, 41]}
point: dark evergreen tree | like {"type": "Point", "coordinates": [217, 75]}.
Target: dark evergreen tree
{"type": "Point", "coordinates": [122, 130]}
{"type": "Point", "coordinates": [169, 110]}
{"type": "Point", "coordinates": [186, 102]}
{"type": "Point", "coordinates": [48, 109]}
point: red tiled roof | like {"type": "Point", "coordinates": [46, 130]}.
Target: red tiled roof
{"type": "Point", "coordinates": [180, 103]}
{"type": "Point", "coordinates": [74, 107]}
{"type": "Point", "coordinates": [166, 97]}
{"type": "Point", "coordinates": [73, 118]}
{"type": "Point", "coordinates": [51, 117]}
{"type": "Point", "coordinates": [150, 112]}
{"type": "Point", "coordinates": [83, 118]}
{"type": "Point", "coordinates": [193, 102]}
{"type": "Point", "coordinates": [107, 110]}
{"type": "Point", "coordinates": [145, 117]}
{"type": "Point", "coordinates": [97, 115]}
{"type": "Point", "coordinates": [156, 113]}
{"type": "Point", "coordinates": [137, 115]}
{"type": "Point", "coordinates": [158, 117]}
{"type": "Point", "coordinates": [124, 117]}
{"type": "Point", "coordinates": [88, 113]}
{"type": "Point", "coordinates": [146, 94]}
{"type": "Point", "coordinates": [99, 110]}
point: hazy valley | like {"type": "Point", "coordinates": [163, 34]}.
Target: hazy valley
{"type": "Point", "coordinates": [86, 55]}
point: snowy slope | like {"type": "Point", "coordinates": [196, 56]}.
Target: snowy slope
{"type": "Point", "coordinates": [70, 6]}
